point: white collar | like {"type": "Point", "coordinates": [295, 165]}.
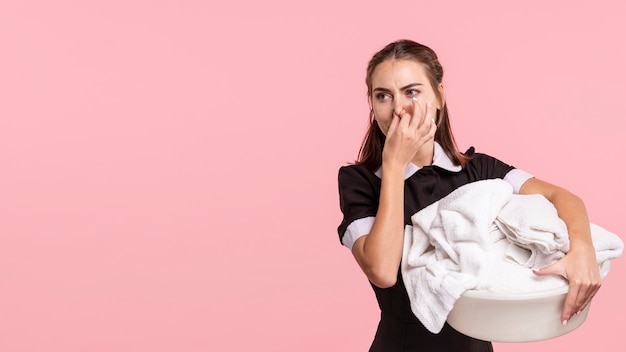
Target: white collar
{"type": "Point", "coordinates": [440, 159]}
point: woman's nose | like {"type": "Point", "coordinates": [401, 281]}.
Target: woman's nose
{"type": "Point", "coordinates": [403, 103]}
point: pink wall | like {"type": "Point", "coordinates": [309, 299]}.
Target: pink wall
{"type": "Point", "coordinates": [169, 167]}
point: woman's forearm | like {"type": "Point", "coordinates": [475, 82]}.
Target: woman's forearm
{"type": "Point", "coordinates": [570, 209]}
{"type": "Point", "coordinates": [380, 252]}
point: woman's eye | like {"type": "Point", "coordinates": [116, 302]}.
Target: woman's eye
{"type": "Point", "coordinates": [383, 96]}
{"type": "Point", "coordinates": [413, 92]}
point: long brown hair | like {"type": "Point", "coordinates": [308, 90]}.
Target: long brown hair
{"type": "Point", "coordinates": [371, 152]}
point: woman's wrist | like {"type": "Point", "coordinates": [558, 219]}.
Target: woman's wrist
{"type": "Point", "coordinates": [394, 166]}
{"type": "Point", "coordinates": [581, 247]}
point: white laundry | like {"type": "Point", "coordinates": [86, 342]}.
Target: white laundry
{"type": "Point", "coordinates": [458, 244]}
{"type": "Point", "coordinates": [445, 251]}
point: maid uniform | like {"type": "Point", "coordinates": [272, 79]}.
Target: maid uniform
{"type": "Point", "coordinates": [359, 194]}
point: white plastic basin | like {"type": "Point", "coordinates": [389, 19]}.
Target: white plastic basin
{"type": "Point", "coordinates": [508, 317]}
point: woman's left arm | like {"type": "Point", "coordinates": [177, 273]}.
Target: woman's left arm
{"type": "Point", "coordinates": [579, 265]}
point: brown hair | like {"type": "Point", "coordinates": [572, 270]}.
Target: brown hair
{"type": "Point", "coordinates": [371, 152]}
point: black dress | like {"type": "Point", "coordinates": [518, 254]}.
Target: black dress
{"type": "Point", "coordinates": [359, 193]}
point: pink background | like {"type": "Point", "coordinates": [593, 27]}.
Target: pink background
{"type": "Point", "coordinates": [169, 167]}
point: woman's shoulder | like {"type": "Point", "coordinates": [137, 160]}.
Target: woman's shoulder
{"type": "Point", "coordinates": [486, 165]}
{"type": "Point", "coordinates": [352, 170]}
{"type": "Point", "coordinates": [477, 157]}
{"type": "Point", "coordinates": [354, 174]}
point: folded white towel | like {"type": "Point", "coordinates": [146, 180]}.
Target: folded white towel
{"type": "Point", "coordinates": [607, 244]}
{"type": "Point", "coordinates": [538, 236]}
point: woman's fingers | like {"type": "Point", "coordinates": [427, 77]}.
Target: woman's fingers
{"type": "Point", "coordinates": [393, 126]}
{"type": "Point", "coordinates": [569, 306]}
{"type": "Point", "coordinates": [582, 288]}
{"type": "Point", "coordinates": [423, 116]}
{"type": "Point", "coordinates": [418, 113]}
{"type": "Point", "coordinates": [431, 114]}
{"type": "Point", "coordinates": [423, 119]}
{"type": "Point", "coordinates": [586, 290]}
{"type": "Point", "coordinates": [430, 119]}
{"type": "Point", "coordinates": [578, 298]}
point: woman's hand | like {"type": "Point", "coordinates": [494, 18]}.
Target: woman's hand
{"type": "Point", "coordinates": [581, 270]}
{"type": "Point", "coordinates": [407, 133]}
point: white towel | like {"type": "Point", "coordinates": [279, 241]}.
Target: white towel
{"type": "Point", "coordinates": [608, 245]}
{"type": "Point", "coordinates": [538, 236]}
{"type": "Point", "coordinates": [445, 251]}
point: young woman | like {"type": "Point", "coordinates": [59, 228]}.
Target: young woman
{"type": "Point", "coordinates": [409, 160]}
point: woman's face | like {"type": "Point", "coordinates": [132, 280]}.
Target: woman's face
{"type": "Point", "coordinates": [395, 83]}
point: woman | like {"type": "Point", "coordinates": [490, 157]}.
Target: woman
{"type": "Point", "coordinates": [408, 161]}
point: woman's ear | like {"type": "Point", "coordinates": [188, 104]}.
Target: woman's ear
{"type": "Point", "coordinates": [369, 102]}
{"type": "Point", "coordinates": [442, 93]}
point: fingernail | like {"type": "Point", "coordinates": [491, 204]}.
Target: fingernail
{"type": "Point", "coordinates": [430, 105]}
{"type": "Point", "coordinates": [433, 120]}
{"type": "Point", "coordinates": [564, 322]}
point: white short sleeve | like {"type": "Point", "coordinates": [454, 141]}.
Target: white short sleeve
{"type": "Point", "coordinates": [516, 178]}
{"type": "Point", "coordinates": [356, 229]}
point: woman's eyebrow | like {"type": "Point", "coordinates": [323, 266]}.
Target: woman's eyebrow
{"type": "Point", "coordinates": [380, 89]}
{"type": "Point", "coordinates": [411, 85]}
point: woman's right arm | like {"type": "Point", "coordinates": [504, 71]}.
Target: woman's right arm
{"type": "Point", "coordinates": [380, 252]}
